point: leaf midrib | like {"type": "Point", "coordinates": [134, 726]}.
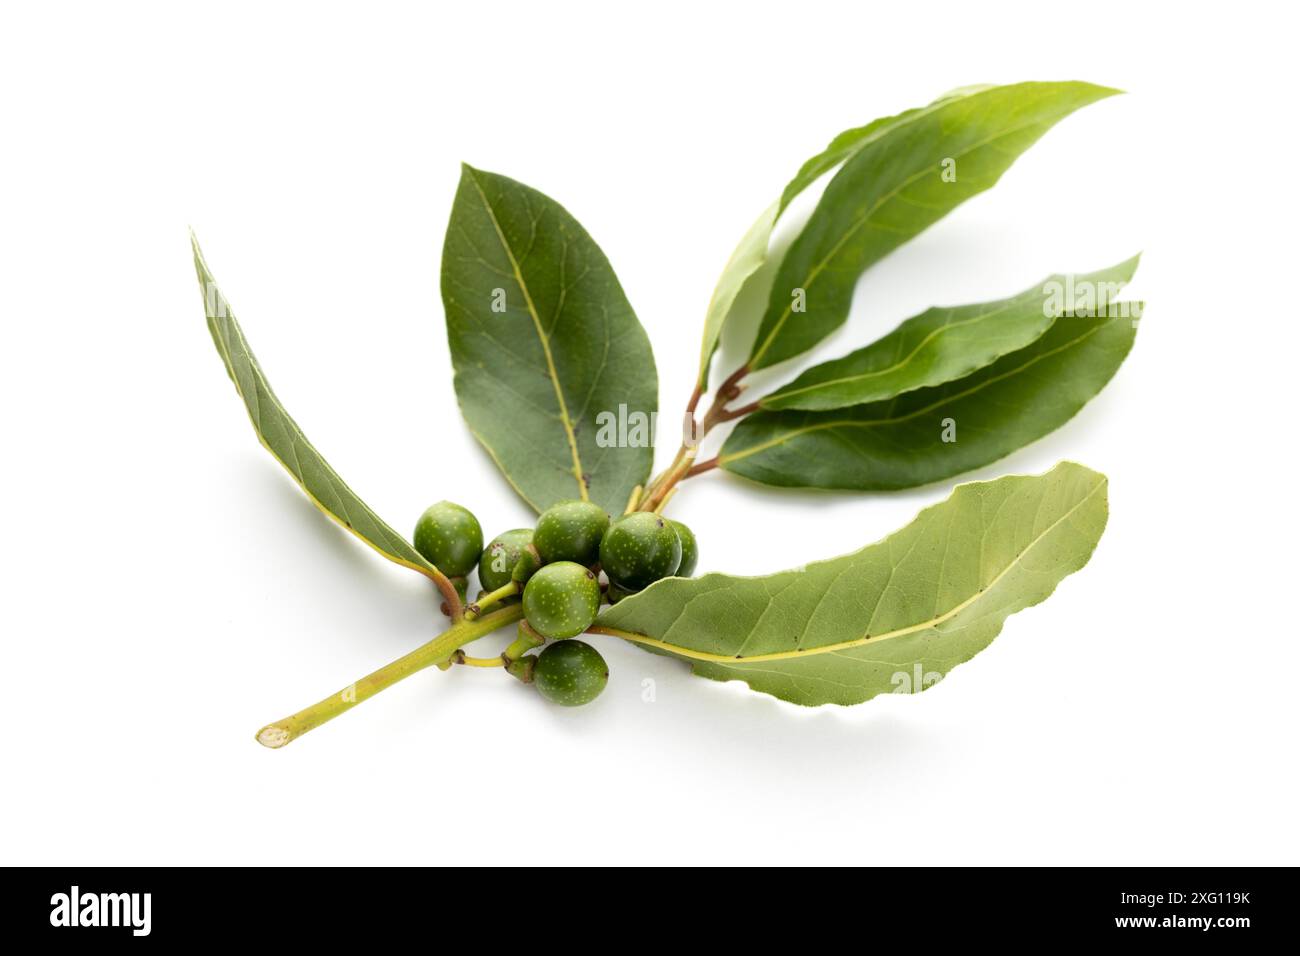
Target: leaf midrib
{"type": "Point", "coordinates": [935, 621]}
{"type": "Point", "coordinates": [821, 426]}
{"type": "Point", "coordinates": [551, 371]}
{"type": "Point", "coordinates": [862, 376]}
{"type": "Point", "coordinates": [866, 216]}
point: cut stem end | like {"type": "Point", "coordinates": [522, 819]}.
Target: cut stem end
{"type": "Point", "coordinates": [273, 736]}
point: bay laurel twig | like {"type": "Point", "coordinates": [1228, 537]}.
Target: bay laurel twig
{"type": "Point", "coordinates": [683, 464]}
{"type": "Point", "coordinates": [440, 650]}
{"type": "Point", "coordinates": [707, 465]}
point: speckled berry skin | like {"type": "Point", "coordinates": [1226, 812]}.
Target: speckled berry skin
{"type": "Point", "coordinates": [561, 600]}
{"type": "Point", "coordinates": [690, 550]}
{"type": "Point", "coordinates": [527, 565]}
{"type": "Point", "coordinates": [449, 536]}
{"type": "Point", "coordinates": [639, 549]}
{"type": "Point", "coordinates": [570, 673]}
{"type": "Point", "coordinates": [571, 531]}
{"type": "Point", "coordinates": [501, 555]}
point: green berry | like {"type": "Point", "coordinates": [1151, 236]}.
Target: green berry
{"type": "Point", "coordinates": [561, 600]}
{"type": "Point", "coordinates": [639, 549]}
{"type": "Point", "coordinates": [690, 550]}
{"type": "Point", "coordinates": [500, 557]}
{"type": "Point", "coordinates": [571, 531]}
{"type": "Point", "coordinates": [526, 566]}
{"type": "Point", "coordinates": [449, 536]}
{"type": "Point", "coordinates": [570, 673]}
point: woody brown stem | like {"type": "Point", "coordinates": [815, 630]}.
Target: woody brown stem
{"type": "Point", "coordinates": [695, 400]}
{"type": "Point", "coordinates": [728, 414]}
{"type": "Point", "coordinates": [702, 467]}
{"type": "Point", "coordinates": [727, 391]}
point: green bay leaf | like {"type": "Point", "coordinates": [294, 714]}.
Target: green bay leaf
{"type": "Point", "coordinates": [943, 344]}
{"type": "Point", "coordinates": [554, 373]}
{"type": "Point", "coordinates": [751, 252]}
{"type": "Point", "coordinates": [282, 437]}
{"type": "Point", "coordinates": [847, 143]}
{"type": "Point", "coordinates": [930, 434]}
{"type": "Point", "coordinates": [894, 616]}
{"type": "Point", "coordinates": [746, 259]}
{"type": "Point", "coordinates": [892, 188]}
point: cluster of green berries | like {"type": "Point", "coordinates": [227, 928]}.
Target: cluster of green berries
{"type": "Point", "coordinates": [557, 566]}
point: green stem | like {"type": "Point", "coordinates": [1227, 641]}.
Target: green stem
{"type": "Point", "coordinates": [525, 642]}
{"type": "Point", "coordinates": [663, 502]}
{"type": "Point", "coordinates": [485, 601]}
{"type": "Point", "coordinates": [460, 657]}
{"type": "Point", "coordinates": [681, 465]}
{"type": "Point", "coordinates": [523, 668]}
{"type": "Point", "coordinates": [437, 651]}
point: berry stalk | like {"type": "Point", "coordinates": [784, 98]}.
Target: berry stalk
{"type": "Point", "coordinates": [527, 640]}
{"type": "Point", "coordinates": [438, 651]}
{"type": "Point", "coordinates": [485, 601]}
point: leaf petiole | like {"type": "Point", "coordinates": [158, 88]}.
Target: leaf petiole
{"type": "Point", "coordinates": [706, 465]}
{"type": "Point", "coordinates": [718, 414]}
{"type": "Point", "coordinates": [451, 603]}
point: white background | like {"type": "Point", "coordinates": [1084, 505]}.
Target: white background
{"type": "Point", "coordinates": [167, 590]}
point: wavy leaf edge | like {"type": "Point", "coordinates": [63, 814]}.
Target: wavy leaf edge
{"type": "Point", "coordinates": [1063, 470]}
